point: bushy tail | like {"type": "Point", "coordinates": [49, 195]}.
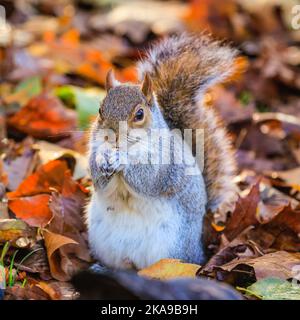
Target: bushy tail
{"type": "Point", "coordinates": [182, 68]}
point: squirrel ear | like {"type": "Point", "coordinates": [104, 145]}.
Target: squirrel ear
{"type": "Point", "coordinates": [147, 87]}
{"type": "Point", "coordinates": [110, 80]}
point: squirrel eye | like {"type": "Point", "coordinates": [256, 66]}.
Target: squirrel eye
{"type": "Point", "coordinates": [139, 115]}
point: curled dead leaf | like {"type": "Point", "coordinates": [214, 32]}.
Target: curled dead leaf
{"type": "Point", "coordinates": [53, 243]}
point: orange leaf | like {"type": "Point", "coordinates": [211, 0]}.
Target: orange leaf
{"type": "Point", "coordinates": [128, 74]}
{"type": "Point", "coordinates": [71, 38]}
{"type": "Point", "coordinates": [44, 117]}
{"type": "Point", "coordinates": [95, 66]}
{"type": "Point", "coordinates": [33, 210]}
{"type": "Point", "coordinates": [50, 175]}
{"type": "Point", "coordinates": [49, 36]}
{"type": "Point", "coordinates": [94, 71]}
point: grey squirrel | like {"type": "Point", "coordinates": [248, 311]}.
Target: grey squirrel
{"type": "Point", "coordinates": [142, 212]}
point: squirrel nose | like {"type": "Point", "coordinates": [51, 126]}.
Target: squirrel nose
{"type": "Point", "coordinates": [111, 137]}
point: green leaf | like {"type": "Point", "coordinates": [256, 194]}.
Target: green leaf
{"type": "Point", "coordinates": [66, 94]}
{"type": "Point", "coordinates": [86, 101]}
{"type": "Point", "coordinates": [274, 289]}
{"type": "Point", "coordinates": [245, 97]}
{"type": "Point", "coordinates": [11, 278]}
{"type": "Point", "coordinates": [3, 253]}
{"type": "Point", "coordinates": [32, 86]}
{"type": "Point", "coordinates": [87, 105]}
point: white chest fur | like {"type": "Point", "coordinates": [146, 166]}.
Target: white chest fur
{"type": "Point", "coordinates": [126, 229]}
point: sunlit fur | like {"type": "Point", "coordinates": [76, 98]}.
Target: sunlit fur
{"type": "Point", "coordinates": [182, 68]}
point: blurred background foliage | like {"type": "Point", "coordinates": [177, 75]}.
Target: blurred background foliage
{"type": "Point", "coordinates": [54, 57]}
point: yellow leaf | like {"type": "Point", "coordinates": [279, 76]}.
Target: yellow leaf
{"type": "Point", "coordinates": [170, 269]}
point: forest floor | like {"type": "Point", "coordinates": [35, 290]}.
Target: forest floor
{"type": "Point", "coordinates": [54, 57]}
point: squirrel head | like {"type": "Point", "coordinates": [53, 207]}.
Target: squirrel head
{"type": "Point", "coordinates": [130, 104]}
{"type": "Point", "coordinates": [126, 102]}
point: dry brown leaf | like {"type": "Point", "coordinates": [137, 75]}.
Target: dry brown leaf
{"type": "Point", "coordinates": [19, 162]}
{"type": "Point", "coordinates": [30, 292]}
{"type": "Point", "coordinates": [53, 243]}
{"type": "Point", "coordinates": [288, 218]}
{"type": "Point", "coordinates": [244, 214]}
{"type": "Point", "coordinates": [268, 209]}
{"type": "Point", "coordinates": [281, 232]}
{"type": "Point", "coordinates": [238, 248]}
{"type": "Point", "coordinates": [68, 220]}
{"type": "Point", "coordinates": [52, 293]}
{"type": "Point", "coordinates": [279, 264]}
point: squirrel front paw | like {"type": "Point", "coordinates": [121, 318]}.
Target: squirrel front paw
{"type": "Point", "coordinates": [109, 163]}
